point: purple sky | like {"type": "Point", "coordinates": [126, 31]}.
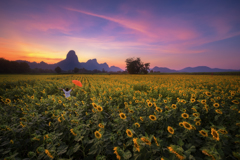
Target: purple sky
{"type": "Point", "coordinates": [173, 34]}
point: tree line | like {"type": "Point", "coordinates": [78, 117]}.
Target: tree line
{"type": "Point", "coordinates": [13, 67]}
{"type": "Point", "coordinates": [134, 66]}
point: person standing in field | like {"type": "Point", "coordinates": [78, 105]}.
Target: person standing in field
{"type": "Point", "coordinates": [67, 91]}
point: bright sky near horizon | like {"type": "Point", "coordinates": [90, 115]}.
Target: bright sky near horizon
{"type": "Point", "coordinates": [173, 34]}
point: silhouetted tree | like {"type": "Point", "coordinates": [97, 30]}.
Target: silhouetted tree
{"type": "Point", "coordinates": [13, 66]}
{"type": "Point", "coordinates": [76, 70]}
{"type": "Point", "coordinates": [135, 66]}
{"type": "Point", "coordinates": [58, 69]}
{"type": "Point", "coordinates": [103, 70]}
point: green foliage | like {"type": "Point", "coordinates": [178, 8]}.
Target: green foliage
{"type": "Point", "coordinates": [38, 122]}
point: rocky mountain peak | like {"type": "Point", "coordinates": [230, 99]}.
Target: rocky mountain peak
{"type": "Point", "coordinates": [71, 56]}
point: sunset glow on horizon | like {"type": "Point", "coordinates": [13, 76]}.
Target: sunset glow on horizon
{"type": "Point", "coordinates": [172, 34]}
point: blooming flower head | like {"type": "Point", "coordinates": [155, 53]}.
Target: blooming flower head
{"type": "Point", "coordinates": [215, 134]}
{"type": "Point", "coordinates": [146, 140]}
{"type": "Point", "coordinates": [122, 116]}
{"type": "Point", "coordinates": [170, 130]}
{"type": "Point", "coordinates": [97, 134]}
{"type": "Point", "coordinates": [152, 117]}
{"type": "Point", "coordinates": [129, 133]}
{"type": "Point", "coordinates": [203, 133]}
{"type": "Point", "coordinates": [185, 115]}
{"type": "Point", "coordinates": [137, 124]}
{"type": "Point", "coordinates": [136, 145]}
{"type": "Point", "coordinates": [100, 125]}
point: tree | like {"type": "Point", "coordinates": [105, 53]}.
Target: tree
{"type": "Point", "coordinates": [76, 70]}
{"type": "Point", "coordinates": [58, 69]}
{"type": "Point", "coordinates": [135, 66]}
{"type": "Point", "coordinates": [103, 70]}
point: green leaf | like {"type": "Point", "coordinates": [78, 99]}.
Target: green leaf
{"type": "Point", "coordinates": [127, 154]}
{"type": "Point", "coordinates": [101, 157]}
{"type": "Point", "coordinates": [62, 149]}
{"type": "Point", "coordinates": [93, 151]}
{"type": "Point", "coordinates": [76, 147]}
{"type": "Point", "coordinates": [191, 157]}
{"type": "Point", "coordinates": [129, 143]}
{"type": "Point", "coordinates": [180, 142]}
{"type": "Point", "coordinates": [216, 117]}
{"type": "Point", "coordinates": [78, 138]}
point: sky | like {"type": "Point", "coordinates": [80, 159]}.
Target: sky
{"type": "Point", "coordinates": [173, 34]}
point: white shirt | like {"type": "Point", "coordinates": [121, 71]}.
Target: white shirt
{"type": "Point", "coordinates": [67, 93]}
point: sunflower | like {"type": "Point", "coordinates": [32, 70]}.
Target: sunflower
{"type": "Point", "coordinates": [165, 101]}
{"type": "Point", "coordinates": [100, 125]}
{"type": "Point", "coordinates": [222, 131]}
{"type": "Point", "coordinates": [129, 133]}
{"type": "Point", "coordinates": [183, 101]}
{"type": "Point", "coordinates": [11, 141]}
{"type": "Point", "coordinates": [59, 119]}
{"type": "Point", "coordinates": [155, 140]}
{"type": "Point", "coordinates": [208, 94]}
{"type": "Point", "coordinates": [158, 109]}
{"type": "Point", "coordinates": [48, 154]}
{"type": "Point", "coordinates": [215, 134]}
{"type": "Point", "coordinates": [174, 106]}
{"type": "Point", "coordinates": [32, 97]}
{"type": "Point", "coordinates": [198, 123]}
{"type": "Point", "coordinates": [122, 116]}
{"type": "Point", "coordinates": [195, 114]}
{"type": "Point", "coordinates": [131, 111]}
{"type": "Point", "coordinates": [203, 101]}
{"type": "Point", "coordinates": [152, 117]}
{"type": "Point", "coordinates": [230, 97]}
{"type": "Point", "coordinates": [177, 155]}
{"type": "Point", "coordinates": [141, 118]}
{"type": "Point", "coordinates": [216, 105]}
{"type": "Point", "coordinates": [208, 154]}
{"type": "Point", "coordinates": [7, 100]}
{"type": "Point", "coordinates": [170, 130]}
{"type": "Point", "coordinates": [100, 109]}
{"type": "Point", "coordinates": [185, 115]}
{"type": "Point", "coordinates": [98, 135]}
{"type": "Point", "coordinates": [150, 104]}
{"type": "Point", "coordinates": [71, 130]}
{"type": "Point", "coordinates": [192, 100]}
{"type": "Point", "coordinates": [180, 124]}
{"type": "Point", "coordinates": [197, 119]}
{"type": "Point", "coordinates": [146, 141]}
{"type": "Point", "coordinates": [194, 109]}
{"type": "Point", "coordinates": [235, 102]}
{"type": "Point", "coordinates": [94, 105]}
{"type": "Point", "coordinates": [218, 111]}
{"type": "Point", "coordinates": [187, 125]}
{"type": "Point", "coordinates": [203, 133]}
{"type": "Point", "coordinates": [115, 151]}
{"type": "Point", "coordinates": [137, 124]}
{"type": "Point", "coordinates": [136, 145]}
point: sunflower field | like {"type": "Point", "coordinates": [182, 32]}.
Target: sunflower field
{"type": "Point", "coordinates": [162, 117]}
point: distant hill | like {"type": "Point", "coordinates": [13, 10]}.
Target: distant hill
{"type": "Point", "coordinates": [193, 69]}
{"type": "Point", "coordinates": [163, 70]}
{"type": "Point", "coordinates": [206, 69]}
{"type": "Point", "coordinates": [71, 62]}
